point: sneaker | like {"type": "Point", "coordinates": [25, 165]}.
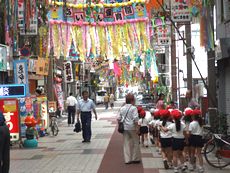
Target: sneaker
{"type": "Point", "coordinates": [201, 170]}
{"type": "Point", "coordinates": [183, 169]}
{"type": "Point", "coordinates": [176, 170]}
{"type": "Point", "coordinates": [166, 166]}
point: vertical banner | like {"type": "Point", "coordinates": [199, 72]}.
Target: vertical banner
{"type": "Point", "coordinates": [77, 69]}
{"type": "Point", "coordinates": [68, 73]}
{"type": "Point", "coordinates": [23, 114]}
{"type": "Point", "coordinates": [43, 111]}
{"type": "Point", "coordinates": [21, 73]}
{"type": "Point", "coordinates": [9, 107]}
{"type": "Point", "coordinates": [59, 95]}
{"type": "Point", "coordinates": [180, 11]}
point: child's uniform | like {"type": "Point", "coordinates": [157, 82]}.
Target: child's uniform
{"type": "Point", "coordinates": [177, 136]}
{"type": "Point", "coordinates": [143, 123]}
{"type": "Point", "coordinates": [165, 137]}
{"type": "Point", "coordinates": [195, 139]}
{"type": "Point", "coordinates": [144, 130]}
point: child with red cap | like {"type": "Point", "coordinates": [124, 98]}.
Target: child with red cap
{"type": "Point", "coordinates": [144, 129]}
{"type": "Point", "coordinates": [195, 139]}
{"type": "Point", "coordinates": [177, 128]}
{"type": "Point", "coordinates": [165, 138]}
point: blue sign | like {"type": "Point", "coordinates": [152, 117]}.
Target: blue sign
{"type": "Point", "coordinates": [12, 91]}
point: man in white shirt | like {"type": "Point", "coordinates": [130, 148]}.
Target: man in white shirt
{"type": "Point", "coordinates": [71, 102]}
{"type": "Point", "coordinates": [84, 108]}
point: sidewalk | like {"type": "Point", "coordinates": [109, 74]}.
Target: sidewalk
{"type": "Point", "coordinates": [66, 153]}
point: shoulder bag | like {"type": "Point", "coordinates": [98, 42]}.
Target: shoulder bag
{"type": "Point", "coordinates": [121, 128]}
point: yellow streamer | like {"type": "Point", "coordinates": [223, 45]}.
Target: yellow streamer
{"type": "Point", "coordinates": [92, 37]}
{"type": "Point", "coordinates": [56, 41]}
{"type": "Point", "coordinates": [112, 40]}
{"type": "Point", "coordinates": [102, 40]}
{"type": "Point", "coordinates": [138, 31]}
{"type": "Point", "coordinates": [144, 37]}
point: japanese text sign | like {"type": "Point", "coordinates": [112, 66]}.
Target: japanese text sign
{"type": "Point", "coordinates": [12, 91]}
{"type": "Point", "coordinates": [68, 73]}
{"type": "Point", "coordinates": [180, 11]}
{"type": "Point", "coordinates": [9, 107]}
{"type": "Point", "coordinates": [21, 73]}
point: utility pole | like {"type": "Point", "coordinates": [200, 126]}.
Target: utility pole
{"type": "Point", "coordinates": [173, 65]}
{"type": "Point", "coordinates": [188, 55]}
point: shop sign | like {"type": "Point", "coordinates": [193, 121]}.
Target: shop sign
{"type": "Point", "coordinates": [9, 108]}
{"type": "Point", "coordinates": [68, 73]}
{"type": "Point", "coordinates": [42, 66]}
{"type": "Point", "coordinates": [21, 73]}
{"type": "Point", "coordinates": [12, 91]}
{"type": "Point", "coordinates": [42, 102]}
{"type": "Point", "coordinates": [52, 105]}
{"type": "Point", "coordinates": [180, 11]}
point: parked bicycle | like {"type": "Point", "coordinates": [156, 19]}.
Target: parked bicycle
{"type": "Point", "coordinates": [53, 123]}
{"type": "Point", "coordinates": [217, 151]}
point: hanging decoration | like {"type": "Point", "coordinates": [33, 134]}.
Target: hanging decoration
{"type": "Point", "coordinates": [109, 31]}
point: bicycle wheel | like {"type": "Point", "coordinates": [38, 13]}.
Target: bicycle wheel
{"type": "Point", "coordinates": [212, 155]}
{"type": "Point", "coordinates": [54, 129]}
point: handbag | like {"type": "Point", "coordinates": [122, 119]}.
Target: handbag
{"type": "Point", "coordinates": [77, 127]}
{"type": "Point", "coordinates": [121, 128]}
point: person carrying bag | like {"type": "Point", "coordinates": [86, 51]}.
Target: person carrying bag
{"type": "Point", "coordinates": [128, 124]}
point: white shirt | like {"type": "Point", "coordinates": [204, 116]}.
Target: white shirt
{"type": "Point", "coordinates": [131, 118]}
{"type": "Point", "coordinates": [164, 134]}
{"type": "Point", "coordinates": [143, 122]}
{"type": "Point", "coordinates": [71, 101]}
{"type": "Point", "coordinates": [195, 129]}
{"type": "Point", "coordinates": [177, 134]}
{"type": "Point", "coordinates": [86, 106]}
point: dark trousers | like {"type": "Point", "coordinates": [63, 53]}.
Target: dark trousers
{"type": "Point", "coordinates": [4, 149]}
{"type": "Point", "coordinates": [71, 114]}
{"type": "Point", "coordinates": [86, 125]}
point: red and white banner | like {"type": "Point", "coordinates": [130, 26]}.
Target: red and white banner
{"type": "Point", "coordinates": [9, 108]}
{"type": "Point", "coordinates": [59, 94]}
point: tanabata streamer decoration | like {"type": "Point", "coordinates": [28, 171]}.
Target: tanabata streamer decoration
{"type": "Point", "coordinates": [115, 29]}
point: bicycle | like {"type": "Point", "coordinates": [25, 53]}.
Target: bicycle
{"type": "Point", "coordinates": [217, 151]}
{"type": "Point", "coordinates": [53, 123]}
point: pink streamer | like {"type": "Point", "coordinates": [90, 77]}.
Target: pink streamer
{"type": "Point", "coordinates": [120, 22]}
{"type": "Point", "coordinates": [117, 69]}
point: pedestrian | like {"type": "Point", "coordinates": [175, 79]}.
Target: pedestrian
{"type": "Point", "coordinates": [165, 138]}
{"type": "Point", "coordinates": [106, 101]}
{"type": "Point", "coordinates": [195, 139]}
{"type": "Point", "coordinates": [178, 130]}
{"type": "Point", "coordinates": [4, 146]}
{"type": "Point", "coordinates": [71, 107]}
{"type": "Point", "coordinates": [144, 129]}
{"type": "Point", "coordinates": [129, 115]}
{"type": "Point", "coordinates": [192, 103]}
{"type": "Point", "coordinates": [84, 108]}
{"type": "Point", "coordinates": [111, 100]}
{"type": "Point", "coordinates": [160, 102]}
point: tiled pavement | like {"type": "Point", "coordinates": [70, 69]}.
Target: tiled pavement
{"type": "Point", "coordinates": [66, 153]}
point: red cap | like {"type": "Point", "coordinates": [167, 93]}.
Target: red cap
{"type": "Point", "coordinates": [188, 112]}
{"type": "Point", "coordinates": [176, 114]}
{"type": "Point", "coordinates": [196, 112]}
{"type": "Point", "coordinates": [142, 114]}
{"type": "Point", "coordinates": [139, 109]}
{"type": "Point", "coordinates": [156, 113]}
{"type": "Point", "coordinates": [164, 112]}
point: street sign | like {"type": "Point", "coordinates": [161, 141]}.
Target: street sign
{"type": "Point", "coordinates": [12, 91]}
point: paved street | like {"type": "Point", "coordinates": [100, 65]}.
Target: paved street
{"type": "Point", "coordinates": [66, 153]}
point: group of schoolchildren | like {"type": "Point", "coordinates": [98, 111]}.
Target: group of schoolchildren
{"type": "Point", "coordinates": [176, 135]}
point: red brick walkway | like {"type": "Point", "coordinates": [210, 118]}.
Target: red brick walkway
{"type": "Point", "coordinates": [113, 160]}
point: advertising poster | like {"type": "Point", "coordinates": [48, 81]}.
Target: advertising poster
{"type": "Point", "coordinates": [9, 108]}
